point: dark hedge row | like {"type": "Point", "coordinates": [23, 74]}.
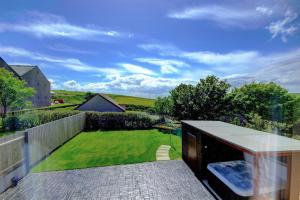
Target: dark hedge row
{"type": "Point", "coordinates": [117, 121]}
{"type": "Point", "coordinates": [34, 118]}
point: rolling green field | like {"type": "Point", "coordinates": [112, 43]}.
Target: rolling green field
{"type": "Point", "coordinates": [72, 97]}
{"type": "Point", "coordinates": [94, 149]}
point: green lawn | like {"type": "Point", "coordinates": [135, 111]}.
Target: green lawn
{"type": "Point", "coordinates": [93, 149]}
{"type": "Point", "coordinates": [73, 97]}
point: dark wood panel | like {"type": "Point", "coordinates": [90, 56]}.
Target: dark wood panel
{"type": "Point", "coordinates": [192, 151]}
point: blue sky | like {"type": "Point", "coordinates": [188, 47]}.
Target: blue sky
{"type": "Point", "coordinates": [146, 48]}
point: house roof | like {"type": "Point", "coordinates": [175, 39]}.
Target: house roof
{"type": "Point", "coordinates": [7, 67]}
{"type": "Point", "coordinates": [21, 70]}
{"type": "Point", "coordinates": [106, 98]}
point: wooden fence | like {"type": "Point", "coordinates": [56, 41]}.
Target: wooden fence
{"type": "Point", "coordinates": [44, 139]}
{"type": "Point", "coordinates": [21, 151]}
{"type": "Point", "coordinates": [11, 152]}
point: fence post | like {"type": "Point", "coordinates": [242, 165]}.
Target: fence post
{"type": "Point", "coordinates": [26, 152]}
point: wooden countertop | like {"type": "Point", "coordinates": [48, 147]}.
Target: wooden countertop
{"type": "Point", "coordinates": [246, 139]}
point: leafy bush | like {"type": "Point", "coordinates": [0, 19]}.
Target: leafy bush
{"type": "Point", "coordinates": [258, 123]}
{"type": "Point", "coordinates": [163, 106]}
{"type": "Point", "coordinates": [34, 118]}
{"type": "Point", "coordinates": [269, 100]}
{"type": "Point", "coordinates": [117, 121]}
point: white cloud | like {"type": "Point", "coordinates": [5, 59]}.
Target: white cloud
{"type": "Point", "coordinates": [49, 25]}
{"type": "Point", "coordinates": [285, 74]}
{"type": "Point", "coordinates": [264, 10]}
{"type": "Point", "coordinates": [137, 84]}
{"type": "Point", "coordinates": [70, 85]}
{"type": "Point", "coordinates": [168, 69]}
{"type": "Point", "coordinates": [69, 49]}
{"type": "Point", "coordinates": [222, 15]}
{"type": "Point", "coordinates": [70, 63]}
{"type": "Point", "coordinates": [284, 27]}
{"type": "Point", "coordinates": [167, 66]}
{"type": "Point", "coordinates": [135, 69]}
{"type": "Point", "coordinates": [241, 66]}
{"type": "Point", "coordinates": [53, 84]}
{"type": "Point", "coordinates": [282, 68]}
{"type": "Point", "coordinates": [13, 51]}
{"type": "Point", "coordinates": [279, 17]}
{"type": "Point", "coordinates": [154, 46]}
{"type": "Point", "coordinates": [218, 61]}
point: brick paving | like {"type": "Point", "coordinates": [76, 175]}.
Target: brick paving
{"type": "Point", "coordinates": [155, 180]}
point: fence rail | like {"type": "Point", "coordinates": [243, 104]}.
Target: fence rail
{"type": "Point", "coordinates": [11, 154]}
{"type": "Point", "coordinates": [44, 139]}
{"type": "Point", "coordinates": [24, 149]}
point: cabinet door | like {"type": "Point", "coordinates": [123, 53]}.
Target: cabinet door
{"type": "Point", "coordinates": [192, 151]}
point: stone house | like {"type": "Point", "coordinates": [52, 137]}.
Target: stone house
{"type": "Point", "coordinates": [34, 78]}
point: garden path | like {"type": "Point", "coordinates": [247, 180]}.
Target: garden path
{"type": "Point", "coordinates": [162, 152]}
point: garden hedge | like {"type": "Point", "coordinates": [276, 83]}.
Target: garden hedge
{"type": "Point", "coordinates": [118, 121]}
{"type": "Point", "coordinates": [34, 118]}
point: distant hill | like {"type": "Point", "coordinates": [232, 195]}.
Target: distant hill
{"type": "Point", "coordinates": [296, 94]}
{"type": "Point", "coordinates": [72, 97]}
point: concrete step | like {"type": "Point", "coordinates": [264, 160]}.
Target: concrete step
{"type": "Point", "coordinates": [162, 152]}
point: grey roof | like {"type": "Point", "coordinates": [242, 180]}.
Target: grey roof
{"type": "Point", "coordinates": [4, 65]}
{"type": "Point", "coordinates": [251, 140]}
{"type": "Point", "coordinates": [111, 101]}
{"type": "Point", "coordinates": [106, 98]}
{"type": "Point", "coordinates": [22, 69]}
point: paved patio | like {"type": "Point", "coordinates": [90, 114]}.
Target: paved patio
{"type": "Point", "coordinates": [156, 180]}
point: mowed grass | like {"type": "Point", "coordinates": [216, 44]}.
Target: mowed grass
{"type": "Point", "coordinates": [73, 97]}
{"type": "Point", "coordinates": [94, 149]}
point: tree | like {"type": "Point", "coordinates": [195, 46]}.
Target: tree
{"type": "Point", "coordinates": [183, 101]}
{"type": "Point", "coordinates": [210, 98]}
{"type": "Point", "coordinates": [163, 106]}
{"type": "Point", "coordinates": [13, 92]}
{"type": "Point", "coordinates": [206, 101]}
{"type": "Point", "coordinates": [269, 100]}
{"type": "Point", "coordinates": [89, 95]}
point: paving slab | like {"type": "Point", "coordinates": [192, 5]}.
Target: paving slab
{"type": "Point", "coordinates": [161, 180]}
{"type": "Point", "coordinates": [162, 152]}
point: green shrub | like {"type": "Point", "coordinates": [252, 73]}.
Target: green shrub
{"type": "Point", "coordinates": [257, 122]}
{"type": "Point", "coordinates": [48, 116]}
{"type": "Point", "coordinates": [118, 121]}
{"type": "Point", "coordinates": [34, 118]}
{"type": "Point", "coordinates": [28, 120]}
{"type": "Point", "coordinates": [11, 123]}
